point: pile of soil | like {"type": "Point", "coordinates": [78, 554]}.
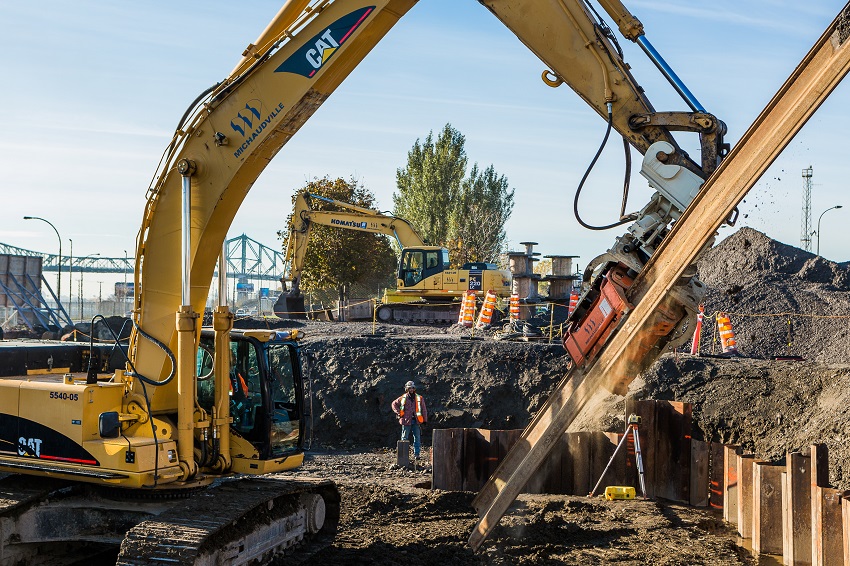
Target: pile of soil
{"type": "Point", "coordinates": [784, 300]}
{"type": "Point", "coordinates": [465, 383]}
{"type": "Point", "coordinates": [768, 407]}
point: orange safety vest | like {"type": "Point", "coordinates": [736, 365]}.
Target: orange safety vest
{"type": "Point", "coordinates": [418, 407]}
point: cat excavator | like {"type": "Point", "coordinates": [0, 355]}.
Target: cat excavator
{"type": "Point", "coordinates": [428, 288]}
{"type": "Point", "coordinates": [176, 420]}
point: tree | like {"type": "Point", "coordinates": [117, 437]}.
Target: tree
{"type": "Point", "coordinates": [464, 213]}
{"type": "Point", "coordinates": [478, 222]}
{"type": "Point", "coordinates": [428, 188]}
{"type": "Point", "coordinates": [337, 258]}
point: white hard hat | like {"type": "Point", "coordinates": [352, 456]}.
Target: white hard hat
{"type": "Point", "coordinates": [409, 384]}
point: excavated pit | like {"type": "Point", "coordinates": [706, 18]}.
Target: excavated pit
{"type": "Point", "coordinates": [783, 302]}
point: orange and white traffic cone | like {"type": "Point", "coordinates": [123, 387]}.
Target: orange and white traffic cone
{"type": "Point", "coordinates": [573, 304]}
{"type": "Point", "coordinates": [727, 335]}
{"type": "Point", "coordinates": [697, 332]}
{"type": "Point", "coordinates": [514, 308]}
{"type": "Point", "coordinates": [468, 309]}
{"type": "Point", "coordinates": [485, 317]}
{"type": "Point", "coordinates": [462, 310]}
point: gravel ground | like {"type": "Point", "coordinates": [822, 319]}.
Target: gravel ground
{"type": "Point", "coordinates": [390, 516]}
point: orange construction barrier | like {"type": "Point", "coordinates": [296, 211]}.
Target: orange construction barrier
{"type": "Point", "coordinates": [573, 304]}
{"type": "Point", "coordinates": [697, 332]}
{"type": "Point", "coordinates": [485, 317]}
{"type": "Point", "coordinates": [467, 309]}
{"type": "Point", "coordinates": [727, 336]}
{"type": "Point", "coordinates": [514, 308]}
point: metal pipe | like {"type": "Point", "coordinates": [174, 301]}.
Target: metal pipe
{"type": "Point", "coordinates": [669, 74]}
{"type": "Point", "coordinates": [186, 169]}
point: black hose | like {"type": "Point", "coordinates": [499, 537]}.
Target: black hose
{"type": "Point", "coordinates": [623, 220]}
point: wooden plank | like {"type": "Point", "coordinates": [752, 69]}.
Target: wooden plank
{"type": "Point", "coordinates": [578, 448]}
{"type": "Point", "coordinates": [476, 453]}
{"type": "Point", "coordinates": [745, 495]}
{"type": "Point", "coordinates": [827, 527]}
{"type": "Point", "coordinates": [819, 462]}
{"type": "Point", "coordinates": [601, 450]}
{"type": "Point", "coordinates": [447, 465]}
{"type": "Point", "coordinates": [673, 453]}
{"type": "Point", "coordinates": [540, 481]}
{"type": "Point", "coordinates": [801, 95]}
{"type": "Point", "coordinates": [845, 517]}
{"type": "Point", "coordinates": [730, 484]}
{"type": "Point", "coordinates": [820, 465]}
{"type": "Point", "coordinates": [716, 474]}
{"type": "Point", "coordinates": [699, 473]}
{"type": "Point", "coordinates": [797, 500]}
{"type": "Point", "coordinates": [767, 508]}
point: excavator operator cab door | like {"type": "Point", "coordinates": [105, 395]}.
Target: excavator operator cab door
{"type": "Point", "coordinates": [418, 264]}
{"type": "Point", "coordinates": [266, 397]}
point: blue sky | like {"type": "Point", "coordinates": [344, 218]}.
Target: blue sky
{"type": "Point", "coordinates": [93, 90]}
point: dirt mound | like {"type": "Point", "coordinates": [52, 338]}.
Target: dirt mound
{"type": "Point", "coordinates": [768, 407]}
{"type": "Point", "coordinates": [783, 300]}
{"type": "Point", "coordinates": [465, 383]}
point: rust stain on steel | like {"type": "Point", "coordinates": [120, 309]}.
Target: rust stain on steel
{"type": "Point", "coordinates": [803, 93]}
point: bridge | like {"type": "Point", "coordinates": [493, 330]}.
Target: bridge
{"type": "Point", "coordinates": [246, 258]}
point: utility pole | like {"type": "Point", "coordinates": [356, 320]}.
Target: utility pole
{"type": "Point", "coordinates": [806, 224]}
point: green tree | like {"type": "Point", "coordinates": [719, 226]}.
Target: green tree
{"type": "Point", "coordinates": [337, 258]}
{"type": "Point", "coordinates": [478, 221]}
{"type": "Point", "coordinates": [429, 186]}
{"type": "Point", "coordinates": [467, 214]}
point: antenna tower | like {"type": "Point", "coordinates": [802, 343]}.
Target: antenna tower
{"type": "Point", "coordinates": [806, 224]}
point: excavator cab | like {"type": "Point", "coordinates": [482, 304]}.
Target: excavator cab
{"type": "Point", "coordinates": [266, 396]}
{"type": "Point", "coordinates": [417, 264]}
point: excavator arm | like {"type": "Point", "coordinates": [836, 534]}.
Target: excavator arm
{"type": "Point", "coordinates": [357, 218]}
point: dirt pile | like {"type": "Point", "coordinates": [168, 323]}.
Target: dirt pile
{"type": "Point", "coordinates": [783, 300]}
{"type": "Point", "coordinates": [465, 383]}
{"type": "Point", "coordinates": [768, 407]}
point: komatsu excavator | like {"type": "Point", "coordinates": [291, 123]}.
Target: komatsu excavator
{"type": "Point", "coordinates": [176, 420]}
{"type": "Point", "coordinates": [428, 288]}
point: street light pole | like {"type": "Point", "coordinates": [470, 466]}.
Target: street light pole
{"type": "Point", "coordinates": [58, 277]}
{"type": "Point", "coordinates": [821, 216]}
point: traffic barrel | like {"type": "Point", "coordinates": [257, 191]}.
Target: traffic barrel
{"type": "Point", "coordinates": [485, 317]}
{"type": "Point", "coordinates": [727, 335]}
{"type": "Point", "coordinates": [468, 309]}
{"type": "Point", "coordinates": [573, 304]}
{"type": "Point", "coordinates": [514, 308]}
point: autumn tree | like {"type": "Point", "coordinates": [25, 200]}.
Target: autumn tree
{"type": "Point", "coordinates": [337, 258]}
{"type": "Point", "coordinates": [466, 213]}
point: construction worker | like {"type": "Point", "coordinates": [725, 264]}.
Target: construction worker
{"type": "Point", "coordinates": [412, 415]}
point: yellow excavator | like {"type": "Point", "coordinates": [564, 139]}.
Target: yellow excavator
{"type": "Point", "coordinates": [428, 289]}
{"type": "Point", "coordinates": [177, 420]}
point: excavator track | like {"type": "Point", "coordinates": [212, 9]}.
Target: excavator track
{"type": "Point", "coordinates": [237, 522]}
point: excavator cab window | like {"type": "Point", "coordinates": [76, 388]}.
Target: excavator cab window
{"type": "Point", "coordinates": [285, 390]}
{"type": "Point", "coordinates": [412, 262]}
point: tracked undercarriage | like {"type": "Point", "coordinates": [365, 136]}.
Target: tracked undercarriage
{"type": "Point", "coordinates": [238, 521]}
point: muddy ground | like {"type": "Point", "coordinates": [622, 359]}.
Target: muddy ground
{"type": "Point", "coordinates": [783, 302]}
{"type": "Point", "coordinates": [390, 517]}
